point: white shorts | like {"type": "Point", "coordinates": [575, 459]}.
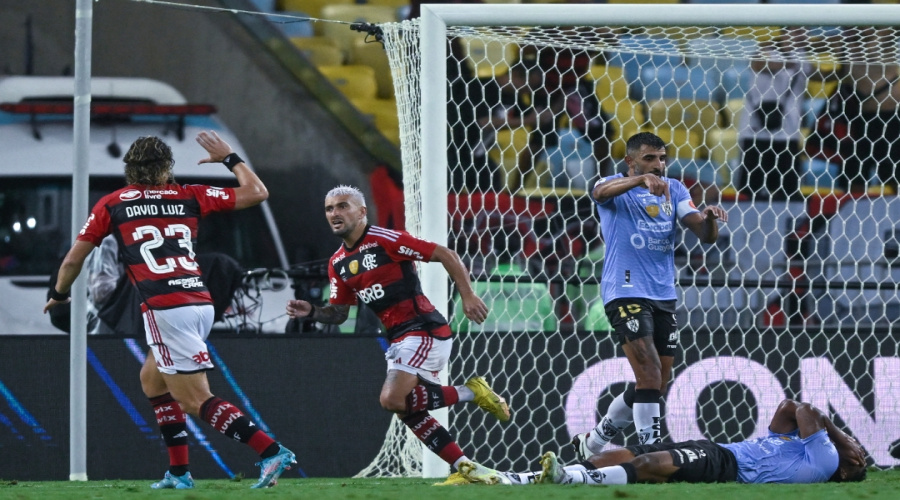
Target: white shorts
{"type": "Point", "coordinates": [178, 338]}
{"type": "Point", "coordinates": [420, 355]}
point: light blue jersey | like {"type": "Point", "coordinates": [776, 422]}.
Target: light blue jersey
{"type": "Point", "coordinates": [785, 458]}
{"type": "Point", "coordinates": [640, 234]}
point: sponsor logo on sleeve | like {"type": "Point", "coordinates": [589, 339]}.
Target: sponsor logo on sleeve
{"type": "Point", "coordinates": [215, 192]}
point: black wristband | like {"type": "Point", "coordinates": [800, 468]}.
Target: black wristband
{"type": "Point", "coordinates": [312, 312]}
{"type": "Point", "coordinates": [59, 297]}
{"type": "Point", "coordinates": [232, 160]}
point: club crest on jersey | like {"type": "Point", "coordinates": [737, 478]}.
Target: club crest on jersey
{"type": "Point", "coordinates": [667, 208]}
{"type": "Point", "coordinates": [652, 210]}
{"type": "Point", "coordinates": [354, 266]}
{"type": "Point", "coordinates": [369, 262]}
{"type": "Point", "coordinates": [131, 194]}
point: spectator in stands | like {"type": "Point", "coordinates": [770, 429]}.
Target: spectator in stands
{"type": "Point", "coordinates": [871, 94]}
{"type": "Point", "coordinates": [471, 169]}
{"type": "Point", "coordinates": [566, 109]}
{"type": "Point", "coordinates": [803, 446]}
{"type": "Point", "coordinates": [769, 126]}
{"type": "Point", "coordinates": [151, 217]}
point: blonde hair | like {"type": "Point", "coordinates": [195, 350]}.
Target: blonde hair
{"type": "Point", "coordinates": [354, 194]}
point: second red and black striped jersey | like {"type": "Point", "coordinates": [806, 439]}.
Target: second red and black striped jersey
{"type": "Point", "coordinates": [379, 270]}
{"type": "Point", "coordinates": [156, 228]}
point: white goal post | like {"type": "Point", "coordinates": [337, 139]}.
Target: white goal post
{"type": "Point", "coordinates": [839, 355]}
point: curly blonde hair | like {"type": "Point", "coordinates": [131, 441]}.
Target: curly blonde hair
{"type": "Point", "coordinates": [149, 162]}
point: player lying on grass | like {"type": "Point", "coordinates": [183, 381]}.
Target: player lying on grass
{"type": "Point", "coordinates": [803, 446]}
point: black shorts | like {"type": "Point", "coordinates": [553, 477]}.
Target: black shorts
{"type": "Point", "coordinates": [633, 319]}
{"type": "Point", "coordinates": [697, 461]}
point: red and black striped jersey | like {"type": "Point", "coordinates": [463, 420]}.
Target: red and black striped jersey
{"type": "Point", "coordinates": [380, 271]}
{"type": "Point", "coordinates": [156, 228]}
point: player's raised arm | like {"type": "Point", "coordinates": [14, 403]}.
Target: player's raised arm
{"type": "Point", "coordinates": [252, 191]}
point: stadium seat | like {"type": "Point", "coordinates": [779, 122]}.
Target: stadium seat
{"type": "Point", "coordinates": [353, 80]}
{"type": "Point", "coordinates": [704, 171]}
{"type": "Point", "coordinates": [383, 112]}
{"type": "Point", "coordinates": [313, 7]}
{"type": "Point", "coordinates": [627, 119]}
{"type": "Point", "coordinates": [609, 82]}
{"type": "Point", "coordinates": [508, 144]}
{"type": "Point", "coordinates": [693, 114]}
{"type": "Point", "coordinates": [514, 307]}
{"type": "Point", "coordinates": [321, 51]}
{"type": "Point", "coordinates": [636, 52]}
{"type": "Point", "coordinates": [373, 54]}
{"type": "Point", "coordinates": [389, 3]}
{"type": "Point", "coordinates": [294, 28]}
{"type": "Point", "coordinates": [683, 143]}
{"type": "Point", "coordinates": [487, 58]}
{"type": "Point", "coordinates": [723, 149]}
{"type": "Point", "coordinates": [353, 13]}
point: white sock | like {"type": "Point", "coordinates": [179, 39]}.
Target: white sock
{"type": "Point", "coordinates": [618, 416]}
{"type": "Point", "coordinates": [646, 420]}
{"type": "Point", "coordinates": [465, 394]}
{"type": "Point", "coordinates": [607, 475]}
{"type": "Point", "coordinates": [575, 468]}
{"type": "Point", "coordinates": [459, 461]}
{"type": "Point", "coordinates": [522, 478]}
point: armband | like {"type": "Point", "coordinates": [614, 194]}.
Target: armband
{"type": "Point", "coordinates": [232, 160]}
{"type": "Point", "coordinates": [59, 297]}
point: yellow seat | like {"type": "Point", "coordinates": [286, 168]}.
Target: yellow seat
{"type": "Point", "coordinates": [760, 33]}
{"type": "Point", "coordinates": [686, 113]}
{"type": "Point", "coordinates": [341, 32]}
{"type": "Point", "coordinates": [321, 51]}
{"type": "Point", "coordinates": [373, 54]}
{"type": "Point", "coordinates": [353, 80]}
{"type": "Point", "coordinates": [722, 144]}
{"type": "Point", "coordinates": [731, 112]}
{"type": "Point", "coordinates": [383, 113]}
{"type": "Point", "coordinates": [389, 3]}
{"type": "Point", "coordinates": [508, 144]}
{"type": "Point", "coordinates": [609, 82]}
{"type": "Point", "coordinates": [682, 142]}
{"type": "Point", "coordinates": [488, 58]}
{"type": "Point", "coordinates": [311, 7]}
{"type": "Point", "coordinates": [627, 120]}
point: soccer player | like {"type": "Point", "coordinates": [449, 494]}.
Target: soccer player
{"type": "Point", "coordinates": [638, 214]}
{"type": "Point", "coordinates": [154, 221]}
{"type": "Point", "coordinates": [803, 446]}
{"type": "Point", "coordinates": [377, 266]}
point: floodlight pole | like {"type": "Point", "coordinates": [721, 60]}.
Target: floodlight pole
{"type": "Point", "coordinates": [84, 15]}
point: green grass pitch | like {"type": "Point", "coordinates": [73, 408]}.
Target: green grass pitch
{"type": "Point", "coordinates": [879, 485]}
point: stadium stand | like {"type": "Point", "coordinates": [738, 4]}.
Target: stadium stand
{"type": "Point", "coordinates": [354, 81]}
{"type": "Point", "coordinates": [320, 50]}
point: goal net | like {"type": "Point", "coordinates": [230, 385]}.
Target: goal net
{"type": "Point", "coordinates": [508, 116]}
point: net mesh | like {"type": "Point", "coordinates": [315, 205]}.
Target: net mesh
{"type": "Point", "coordinates": [787, 128]}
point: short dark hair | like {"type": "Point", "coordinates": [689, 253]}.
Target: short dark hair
{"type": "Point", "coordinates": [149, 161]}
{"type": "Point", "coordinates": [643, 139]}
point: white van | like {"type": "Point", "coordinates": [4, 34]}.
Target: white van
{"type": "Point", "coordinates": [36, 140]}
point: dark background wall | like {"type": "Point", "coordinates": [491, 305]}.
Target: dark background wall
{"type": "Point", "coordinates": [319, 397]}
{"type": "Point", "coordinates": [298, 147]}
